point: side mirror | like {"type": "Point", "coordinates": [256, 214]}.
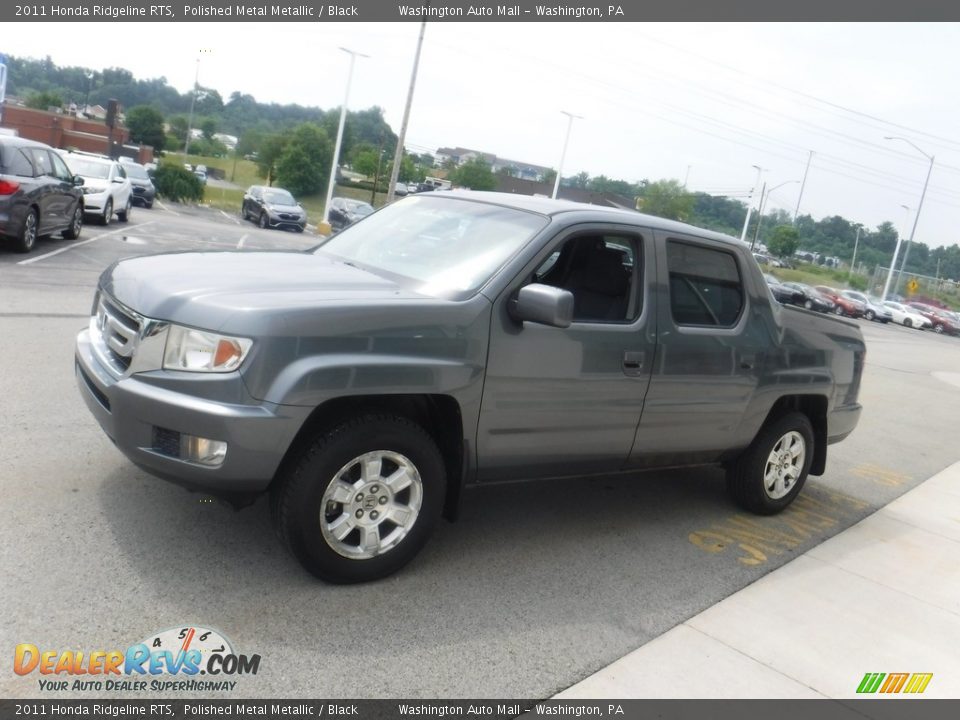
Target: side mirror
{"type": "Point", "coordinates": [544, 304]}
{"type": "Point", "coordinates": [118, 179]}
{"type": "Point", "coordinates": [77, 181]}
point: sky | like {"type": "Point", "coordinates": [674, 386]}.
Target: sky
{"type": "Point", "coordinates": [697, 102]}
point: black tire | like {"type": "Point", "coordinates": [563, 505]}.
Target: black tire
{"type": "Point", "coordinates": [298, 507]}
{"type": "Point", "coordinates": [27, 237]}
{"type": "Point", "coordinates": [838, 311]}
{"type": "Point", "coordinates": [298, 229]}
{"type": "Point", "coordinates": [76, 224]}
{"type": "Point", "coordinates": [148, 205]}
{"type": "Point", "coordinates": [107, 213]}
{"type": "Point", "coordinates": [938, 328]}
{"type": "Point", "coordinates": [124, 214]}
{"type": "Point", "coordinates": [262, 221]}
{"type": "Point", "coordinates": [746, 475]}
{"type": "Point", "coordinates": [869, 315]}
{"type": "Point", "coordinates": [907, 323]}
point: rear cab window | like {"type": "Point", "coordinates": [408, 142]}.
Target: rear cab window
{"type": "Point", "coordinates": [706, 288]}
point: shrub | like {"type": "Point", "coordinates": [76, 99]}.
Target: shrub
{"type": "Point", "coordinates": [177, 183]}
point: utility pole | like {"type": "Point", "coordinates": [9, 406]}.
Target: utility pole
{"type": "Point", "coordinates": [763, 197]}
{"type": "Point", "coordinates": [376, 177]}
{"type": "Point", "coordinates": [193, 99]}
{"type": "Point", "coordinates": [398, 155]}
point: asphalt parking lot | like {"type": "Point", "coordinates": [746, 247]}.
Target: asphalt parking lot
{"type": "Point", "coordinates": [535, 587]}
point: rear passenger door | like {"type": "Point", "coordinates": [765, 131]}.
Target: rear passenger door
{"type": "Point", "coordinates": [705, 372]}
{"type": "Point", "coordinates": [47, 192]}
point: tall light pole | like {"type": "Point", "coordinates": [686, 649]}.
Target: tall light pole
{"type": "Point", "coordinates": [193, 99]}
{"type": "Point", "coordinates": [336, 148]}
{"type": "Point", "coordinates": [764, 195]}
{"type": "Point", "coordinates": [916, 218]}
{"type": "Point", "coordinates": [563, 155]}
{"type": "Point", "coordinates": [746, 222]}
{"type": "Point", "coordinates": [398, 155]}
{"type": "Point", "coordinates": [905, 252]}
{"type": "Point", "coordinates": [856, 244]}
{"type": "Point", "coordinates": [803, 184]}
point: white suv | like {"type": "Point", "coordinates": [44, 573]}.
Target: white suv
{"type": "Point", "coordinates": [106, 189]}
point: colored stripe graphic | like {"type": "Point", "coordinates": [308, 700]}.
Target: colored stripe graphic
{"type": "Point", "coordinates": [895, 682]}
{"type": "Point", "coordinates": [918, 683]}
{"type": "Point", "coordinates": [870, 682]}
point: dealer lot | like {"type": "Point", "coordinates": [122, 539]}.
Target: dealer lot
{"type": "Point", "coordinates": [536, 586]}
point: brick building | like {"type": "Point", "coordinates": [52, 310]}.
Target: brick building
{"type": "Point", "coordinates": [70, 132]}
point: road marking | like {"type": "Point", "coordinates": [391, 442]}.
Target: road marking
{"type": "Point", "coordinates": [82, 242]}
{"type": "Point", "coordinates": [172, 212]}
{"type": "Point", "coordinates": [240, 244]}
{"type": "Point", "coordinates": [758, 538]}
{"type": "Point", "coordinates": [880, 475]}
{"type": "Point", "coordinates": [230, 217]}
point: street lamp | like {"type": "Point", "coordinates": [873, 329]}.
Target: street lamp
{"type": "Point", "coordinates": [336, 150]}
{"type": "Point", "coordinates": [763, 200]}
{"type": "Point", "coordinates": [746, 222]}
{"type": "Point", "coordinates": [905, 252]}
{"type": "Point", "coordinates": [563, 155]}
{"type": "Point", "coordinates": [86, 100]}
{"type": "Point", "coordinates": [916, 218]}
{"type": "Point", "coordinates": [398, 155]}
{"type": "Point", "coordinates": [193, 99]}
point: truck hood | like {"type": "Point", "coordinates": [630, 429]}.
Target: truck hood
{"type": "Point", "coordinates": [206, 289]}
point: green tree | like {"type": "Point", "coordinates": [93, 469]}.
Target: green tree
{"type": "Point", "coordinates": [580, 180]}
{"type": "Point", "coordinates": [44, 100]}
{"type": "Point", "coordinates": [178, 127]}
{"type": "Point", "coordinates": [208, 126]}
{"type": "Point", "coordinates": [271, 148]}
{"type": "Point", "coordinates": [667, 199]}
{"type": "Point", "coordinates": [305, 161]}
{"type": "Point", "coordinates": [549, 177]}
{"type": "Point", "coordinates": [475, 175]}
{"type": "Point", "coordinates": [146, 126]}
{"type": "Point", "coordinates": [784, 241]}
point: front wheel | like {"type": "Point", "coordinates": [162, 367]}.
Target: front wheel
{"type": "Point", "coordinates": [907, 323]}
{"type": "Point", "coordinates": [838, 310]}
{"type": "Point", "coordinates": [870, 315]}
{"type": "Point", "coordinates": [938, 328]}
{"type": "Point", "coordinates": [107, 213]}
{"type": "Point", "coordinates": [808, 304]}
{"type": "Point", "coordinates": [362, 499]}
{"type": "Point", "coordinates": [769, 475]}
{"type": "Point", "coordinates": [76, 224]}
{"type": "Point", "coordinates": [263, 221]}
{"type": "Point", "coordinates": [124, 214]}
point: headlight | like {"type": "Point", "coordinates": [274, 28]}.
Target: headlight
{"type": "Point", "coordinates": [201, 351]}
{"type": "Point", "coordinates": [88, 190]}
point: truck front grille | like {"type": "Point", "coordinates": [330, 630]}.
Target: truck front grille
{"type": "Point", "coordinates": [120, 330]}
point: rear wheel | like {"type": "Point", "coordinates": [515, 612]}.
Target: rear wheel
{"type": "Point", "coordinates": [870, 315]}
{"type": "Point", "coordinates": [838, 310]}
{"type": "Point", "coordinates": [28, 233]}
{"type": "Point", "coordinates": [907, 322]}
{"type": "Point", "coordinates": [769, 475]}
{"type": "Point", "coordinates": [362, 499]}
{"type": "Point", "coordinates": [808, 304]}
{"type": "Point", "coordinates": [938, 328]}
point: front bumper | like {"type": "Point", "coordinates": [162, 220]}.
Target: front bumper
{"type": "Point", "coordinates": [143, 195]}
{"type": "Point", "coordinates": [286, 223]}
{"type": "Point", "coordinates": [140, 412]}
{"type": "Point", "coordinates": [94, 203]}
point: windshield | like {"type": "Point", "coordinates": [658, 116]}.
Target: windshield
{"type": "Point", "coordinates": [279, 197]}
{"type": "Point", "coordinates": [359, 208]}
{"type": "Point", "coordinates": [447, 246]}
{"type": "Point", "coordinates": [136, 171]}
{"type": "Point", "coordinates": [89, 169]}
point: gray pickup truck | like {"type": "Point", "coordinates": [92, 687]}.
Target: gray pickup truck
{"type": "Point", "coordinates": [454, 339]}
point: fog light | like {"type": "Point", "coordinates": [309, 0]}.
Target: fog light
{"type": "Point", "coordinates": [202, 450]}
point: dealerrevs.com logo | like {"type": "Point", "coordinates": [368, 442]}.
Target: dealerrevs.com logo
{"type": "Point", "coordinates": [185, 659]}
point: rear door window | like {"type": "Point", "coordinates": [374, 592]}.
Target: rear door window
{"type": "Point", "coordinates": [706, 289]}
{"type": "Point", "coordinates": [17, 163]}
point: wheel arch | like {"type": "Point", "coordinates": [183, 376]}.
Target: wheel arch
{"type": "Point", "coordinates": [438, 414]}
{"type": "Point", "coordinates": [815, 408]}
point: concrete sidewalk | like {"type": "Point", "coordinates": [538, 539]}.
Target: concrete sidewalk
{"type": "Point", "coordinates": [880, 597]}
